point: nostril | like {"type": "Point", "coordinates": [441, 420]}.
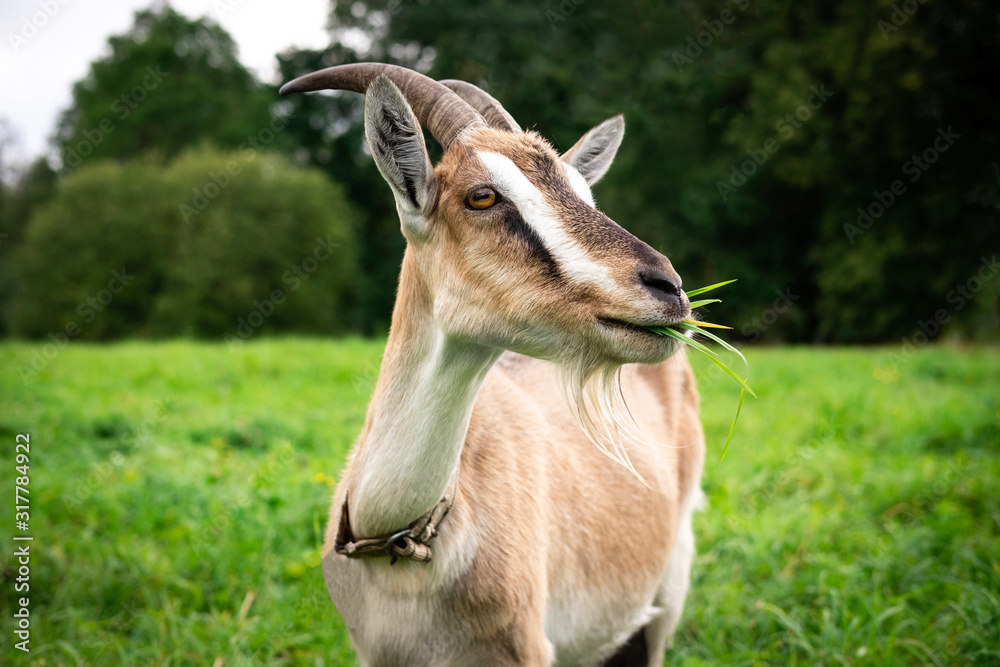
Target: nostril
{"type": "Point", "coordinates": [661, 285]}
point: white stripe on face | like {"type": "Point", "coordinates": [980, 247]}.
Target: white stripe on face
{"type": "Point", "coordinates": [571, 257]}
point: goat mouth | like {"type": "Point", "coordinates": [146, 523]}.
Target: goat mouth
{"type": "Point", "coordinates": [634, 343]}
{"type": "Point", "coordinates": [630, 326]}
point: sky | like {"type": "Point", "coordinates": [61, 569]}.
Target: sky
{"type": "Point", "coordinates": [48, 45]}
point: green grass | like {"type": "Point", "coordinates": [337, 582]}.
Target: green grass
{"type": "Point", "coordinates": [179, 493]}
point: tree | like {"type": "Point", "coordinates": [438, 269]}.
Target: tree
{"type": "Point", "coordinates": [32, 188]}
{"type": "Point", "coordinates": [267, 247]}
{"type": "Point", "coordinates": [169, 83]}
{"type": "Point", "coordinates": [198, 247]}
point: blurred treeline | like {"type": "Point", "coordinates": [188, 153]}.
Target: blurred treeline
{"type": "Point", "coordinates": [755, 133]}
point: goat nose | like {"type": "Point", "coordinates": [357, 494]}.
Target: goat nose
{"type": "Point", "coordinates": [662, 285]}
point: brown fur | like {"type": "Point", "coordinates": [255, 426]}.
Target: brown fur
{"type": "Point", "coordinates": [552, 512]}
{"type": "Point", "coordinates": [542, 519]}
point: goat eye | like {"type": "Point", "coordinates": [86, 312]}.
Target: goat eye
{"type": "Point", "coordinates": [481, 198]}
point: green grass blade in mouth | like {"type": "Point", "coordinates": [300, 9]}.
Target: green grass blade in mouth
{"type": "Point", "coordinates": [729, 347]}
{"type": "Point", "coordinates": [678, 330]}
{"type": "Point", "coordinates": [704, 302]}
{"type": "Point", "coordinates": [721, 342]}
{"type": "Point", "coordinates": [673, 333]}
{"type": "Point", "coordinates": [739, 406]}
{"type": "Point", "coordinates": [702, 290]}
{"type": "Point", "coordinates": [699, 323]}
{"type": "Point", "coordinates": [728, 371]}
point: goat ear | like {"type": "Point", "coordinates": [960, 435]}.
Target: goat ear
{"type": "Point", "coordinates": [593, 154]}
{"type": "Point", "coordinates": [397, 145]}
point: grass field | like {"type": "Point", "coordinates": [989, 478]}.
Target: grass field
{"type": "Point", "coordinates": [179, 492]}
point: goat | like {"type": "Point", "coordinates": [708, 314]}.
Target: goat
{"type": "Point", "coordinates": [475, 523]}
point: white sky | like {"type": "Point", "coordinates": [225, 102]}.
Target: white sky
{"type": "Point", "coordinates": [36, 78]}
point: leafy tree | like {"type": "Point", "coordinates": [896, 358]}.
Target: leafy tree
{"type": "Point", "coordinates": [274, 250]}
{"type": "Point", "coordinates": [92, 260]}
{"type": "Point", "coordinates": [32, 188]}
{"type": "Point", "coordinates": [115, 253]}
{"type": "Point", "coordinates": [169, 82]}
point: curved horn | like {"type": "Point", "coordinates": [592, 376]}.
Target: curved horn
{"type": "Point", "coordinates": [441, 111]}
{"type": "Point", "coordinates": [491, 110]}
